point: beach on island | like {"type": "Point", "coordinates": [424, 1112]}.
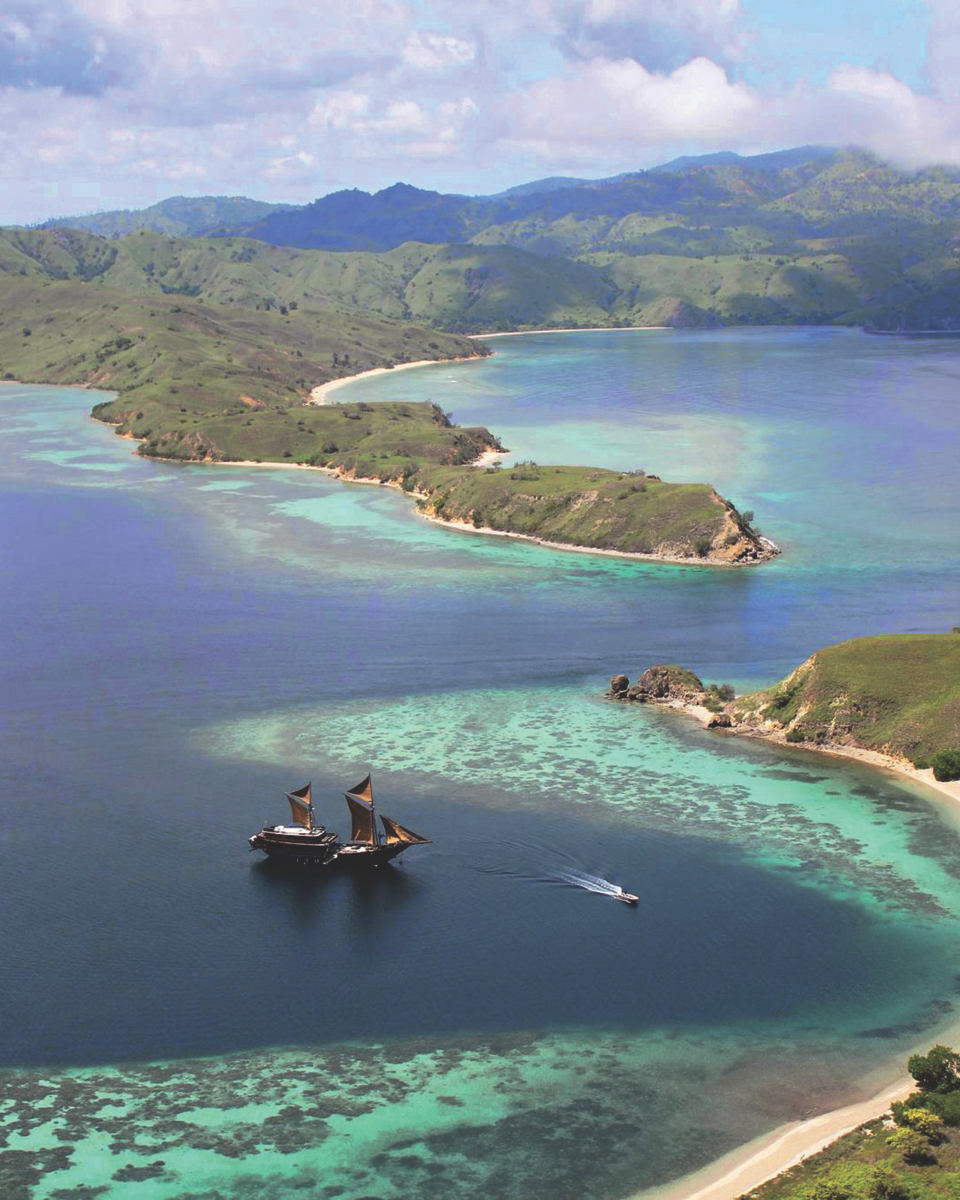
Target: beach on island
{"type": "Point", "coordinates": [874, 758]}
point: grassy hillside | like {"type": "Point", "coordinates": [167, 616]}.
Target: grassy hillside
{"type": "Point", "coordinates": [890, 283]}
{"type": "Point", "coordinates": [599, 509]}
{"type": "Point", "coordinates": [205, 382]}
{"type": "Point", "coordinates": [899, 694]}
{"type": "Point", "coordinates": [455, 287]}
{"type": "Point", "coordinates": [197, 379]}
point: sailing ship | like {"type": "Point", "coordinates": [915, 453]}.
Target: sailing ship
{"type": "Point", "coordinates": [306, 842]}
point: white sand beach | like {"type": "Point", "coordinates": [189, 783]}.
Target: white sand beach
{"type": "Point", "coordinates": [321, 393]}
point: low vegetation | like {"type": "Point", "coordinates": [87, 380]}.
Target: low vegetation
{"type": "Point", "coordinates": [595, 508]}
{"type": "Point", "coordinates": [203, 381]}
{"type": "Point", "coordinates": [898, 694]}
{"type": "Point", "coordinates": [914, 1154]}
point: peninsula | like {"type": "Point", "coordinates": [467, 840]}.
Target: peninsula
{"type": "Point", "coordinates": [199, 381]}
{"type": "Point", "coordinates": [893, 700]}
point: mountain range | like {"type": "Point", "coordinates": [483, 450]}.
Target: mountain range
{"type": "Point", "coordinates": [807, 235]}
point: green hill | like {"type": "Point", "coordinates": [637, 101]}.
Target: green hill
{"type": "Point", "coordinates": [594, 509]}
{"type": "Point", "coordinates": [478, 287]}
{"type": "Point", "coordinates": [898, 694]}
{"type": "Point", "coordinates": [805, 236]}
{"type": "Point", "coordinates": [197, 379]}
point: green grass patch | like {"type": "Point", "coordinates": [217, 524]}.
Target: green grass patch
{"type": "Point", "coordinates": [897, 693]}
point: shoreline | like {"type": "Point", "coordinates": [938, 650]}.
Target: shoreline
{"type": "Point", "coordinates": [319, 394]}
{"type": "Point", "coordinates": [579, 329]}
{"type": "Point", "coordinates": [706, 561]}
{"type": "Point", "coordinates": [873, 758]}
{"type": "Point", "coordinates": [742, 1170]}
{"type": "Point", "coordinates": [461, 526]}
{"type": "Point", "coordinates": [764, 1158]}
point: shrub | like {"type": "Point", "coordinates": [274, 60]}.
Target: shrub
{"type": "Point", "coordinates": [913, 1146]}
{"type": "Point", "coordinates": [921, 764]}
{"type": "Point", "coordinates": [828, 1189]}
{"type": "Point", "coordinates": [703, 546]}
{"type": "Point", "coordinates": [946, 1106]}
{"type": "Point", "coordinates": [796, 735]}
{"type": "Point", "coordinates": [946, 765]}
{"type": "Point", "coordinates": [884, 1185]}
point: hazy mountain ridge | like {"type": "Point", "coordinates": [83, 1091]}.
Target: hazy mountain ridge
{"type": "Point", "coordinates": [190, 216]}
{"type": "Point", "coordinates": [801, 236]}
{"type": "Point", "coordinates": [474, 288]}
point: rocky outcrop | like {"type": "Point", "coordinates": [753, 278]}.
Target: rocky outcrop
{"type": "Point", "coordinates": [661, 683]}
{"type": "Point", "coordinates": [737, 543]}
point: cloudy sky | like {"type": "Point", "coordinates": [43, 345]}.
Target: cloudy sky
{"type": "Point", "coordinates": [119, 103]}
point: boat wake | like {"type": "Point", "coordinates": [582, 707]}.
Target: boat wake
{"type": "Point", "coordinates": [534, 863]}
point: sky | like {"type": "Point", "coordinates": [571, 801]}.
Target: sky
{"type": "Point", "coordinates": [119, 103]}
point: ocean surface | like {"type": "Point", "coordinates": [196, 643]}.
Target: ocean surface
{"type": "Point", "coordinates": [184, 644]}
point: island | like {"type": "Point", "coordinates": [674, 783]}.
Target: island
{"type": "Point", "coordinates": [893, 700]}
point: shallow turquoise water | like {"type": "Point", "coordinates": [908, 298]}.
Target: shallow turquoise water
{"type": "Point", "coordinates": [188, 642]}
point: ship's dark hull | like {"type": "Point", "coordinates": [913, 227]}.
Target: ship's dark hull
{"type": "Point", "coordinates": [308, 851]}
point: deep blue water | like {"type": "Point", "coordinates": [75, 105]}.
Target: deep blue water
{"type": "Point", "coordinates": [183, 644]}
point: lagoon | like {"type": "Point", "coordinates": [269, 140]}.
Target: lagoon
{"type": "Point", "coordinates": [185, 643]}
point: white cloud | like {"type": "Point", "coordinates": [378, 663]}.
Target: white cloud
{"type": "Point", "coordinates": [431, 52]}
{"type": "Point", "coordinates": [130, 100]}
{"type": "Point", "coordinates": [604, 104]}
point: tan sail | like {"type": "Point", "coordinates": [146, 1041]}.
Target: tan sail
{"type": "Point", "coordinates": [301, 806]}
{"type": "Point", "coordinates": [364, 789]}
{"type": "Point", "coordinates": [363, 827]}
{"type": "Point", "coordinates": [397, 833]}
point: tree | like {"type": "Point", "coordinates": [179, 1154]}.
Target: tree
{"type": "Point", "coordinates": [936, 1071]}
{"type": "Point", "coordinates": [946, 765]}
